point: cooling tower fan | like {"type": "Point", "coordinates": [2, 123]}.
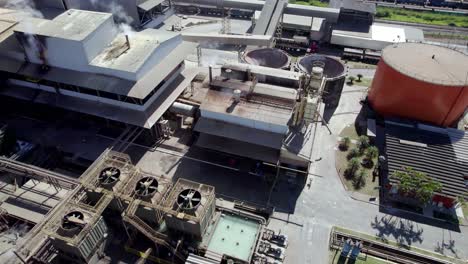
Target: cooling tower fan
{"type": "Point", "coordinates": [189, 199]}
{"type": "Point", "coordinates": [146, 187]}
{"type": "Point", "coordinates": [109, 176]}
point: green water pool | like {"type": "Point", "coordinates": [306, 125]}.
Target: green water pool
{"type": "Point", "coordinates": [234, 236]}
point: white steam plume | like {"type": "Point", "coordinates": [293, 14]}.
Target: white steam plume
{"type": "Point", "coordinates": [118, 11]}
{"type": "Point", "coordinates": [22, 5]}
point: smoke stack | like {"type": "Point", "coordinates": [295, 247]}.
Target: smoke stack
{"type": "Point", "coordinates": [128, 41]}
{"type": "Point", "coordinates": [210, 68]}
{"type": "Point", "coordinates": [236, 95]}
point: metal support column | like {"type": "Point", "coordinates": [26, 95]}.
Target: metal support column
{"type": "Point", "coordinates": [199, 56]}
{"type": "Point", "coordinates": [226, 24]}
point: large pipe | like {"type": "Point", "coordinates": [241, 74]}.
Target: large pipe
{"type": "Point", "coordinates": [183, 109]}
{"type": "Point", "coordinates": [209, 38]}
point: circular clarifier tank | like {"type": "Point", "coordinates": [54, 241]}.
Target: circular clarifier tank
{"type": "Point", "coordinates": [332, 68]}
{"type": "Point", "coordinates": [268, 57]}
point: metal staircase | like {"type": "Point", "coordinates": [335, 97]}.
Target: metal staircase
{"type": "Point", "coordinates": [147, 231]}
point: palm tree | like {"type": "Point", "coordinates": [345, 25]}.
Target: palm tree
{"type": "Point", "coordinates": [461, 201]}
{"type": "Point", "coordinates": [360, 180]}
{"type": "Point", "coordinates": [351, 79]}
{"type": "Point", "coordinates": [363, 143]}
{"type": "Point", "coordinates": [372, 153]}
{"type": "Point", "coordinates": [353, 153]}
{"type": "Point", "coordinates": [359, 76]}
{"type": "Point", "coordinates": [353, 166]}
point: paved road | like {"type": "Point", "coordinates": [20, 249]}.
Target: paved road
{"type": "Point", "coordinates": [327, 203]}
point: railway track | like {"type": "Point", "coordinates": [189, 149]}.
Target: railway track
{"type": "Point", "coordinates": [426, 27]}
{"type": "Point", "coordinates": [421, 7]}
{"type": "Point", "coordinates": [385, 251]}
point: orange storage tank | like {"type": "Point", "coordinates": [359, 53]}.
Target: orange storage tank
{"type": "Point", "coordinates": [422, 82]}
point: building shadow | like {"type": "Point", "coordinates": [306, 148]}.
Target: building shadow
{"type": "Point", "coordinates": [233, 183]}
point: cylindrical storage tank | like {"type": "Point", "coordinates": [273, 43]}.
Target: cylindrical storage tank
{"type": "Point", "coordinates": [333, 70]}
{"type": "Point", "coordinates": [422, 82]}
{"type": "Point", "coordinates": [268, 57]}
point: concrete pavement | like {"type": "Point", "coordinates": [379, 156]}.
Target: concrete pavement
{"type": "Point", "coordinates": [327, 204]}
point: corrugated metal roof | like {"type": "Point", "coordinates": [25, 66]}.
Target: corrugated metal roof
{"type": "Point", "coordinates": [150, 5]}
{"type": "Point", "coordinates": [439, 154]}
{"type": "Point", "coordinates": [240, 133]}
{"type": "Point", "coordinates": [195, 259]}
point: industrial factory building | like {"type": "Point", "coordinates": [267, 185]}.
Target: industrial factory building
{"type": "Point", "coordinates": [258, 111]}
{"type": "Point", "coordinates": [355, 11]}
{"type": "Point", "coordinates": [421, 82]}
{"type": "Point", "coordinates": [81, 58]}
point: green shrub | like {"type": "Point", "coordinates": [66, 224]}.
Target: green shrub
{"type": "Point", "coordinates": [381, 13]}
{"type": "Point", "coordinates": [352, 168]}
{"type": "Point", "coordinates": [360, 180]}
{"type": "Point", "coordinates": [344, 143]}
{"type": "Point", "coordinates": [353, 153]}
{"type": "Point", "coordinates": [372, 152]}
{"type": "Point", "coordinates": [363, 143]}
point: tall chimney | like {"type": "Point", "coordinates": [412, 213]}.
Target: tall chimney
{"type": "Point", "coordinates": [210, 68]}
{"type": "Point", "coordinates": [128, 41]}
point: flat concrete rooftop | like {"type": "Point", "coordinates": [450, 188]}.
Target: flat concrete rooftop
{"type": "Point", "coordinates": [291, 20]}
{"type": "Point", "coordinates": [72, 24]}
{"type": "Point", "coordinates": [12, 15]}
{"type": "Point", "coordinates": [120, 56]}
{"type": "Point", "coordinates": [254, 105]}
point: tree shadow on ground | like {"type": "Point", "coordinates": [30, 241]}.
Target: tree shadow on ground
{"type": "Point", "coordinates": [443, 246]}
{"type": "Point", "coordinates": [419, 218]}
{"type": "Point", "coordinates": [404, 232]}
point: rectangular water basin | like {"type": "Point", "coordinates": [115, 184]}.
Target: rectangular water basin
{"type": "Point", "coordinates": [234, 236]}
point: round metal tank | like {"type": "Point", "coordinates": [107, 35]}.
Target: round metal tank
{"type": "Point", "coordinates": [421, 82]}
{"type": "Point", "coordinates": [333, 70]}
{"type": "Point", "coordinates": [268, 57]}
